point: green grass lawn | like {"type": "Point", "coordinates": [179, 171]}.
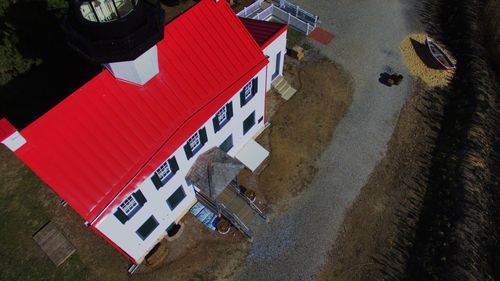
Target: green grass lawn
{"type": "Point", "coordinates": [294, 37]}
{"type": "Point", "coordinates": [23, 210]}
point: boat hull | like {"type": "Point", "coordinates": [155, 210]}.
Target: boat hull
{"type": "Point", "coordinates": [439, 55]}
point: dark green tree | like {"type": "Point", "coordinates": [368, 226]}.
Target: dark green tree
{"type": "Point", "coordinates": [13, 61]}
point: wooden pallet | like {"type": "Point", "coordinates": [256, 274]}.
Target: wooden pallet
{"type": "Point", "coordinates": [54, 244]}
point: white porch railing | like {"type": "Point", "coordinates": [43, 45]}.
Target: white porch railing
{"type": "Point", "coordinates": [249, 10]}
{"type": "Point", "coordinates": [297, 11]}
{"type": "Point", "coordinates": [292, 20]}
{"type": "Point", "coordinates": [264, 14]}
{"type": "Point", "coordinates": [283, 11]}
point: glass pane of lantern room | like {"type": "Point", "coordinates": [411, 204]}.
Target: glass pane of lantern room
{"type": "Point", "coordinates": [105, 10]}
{"type": "Point", "coordinates": [99, 10]}
{"type": "Point", "coordinates": [125, 6]}
{"type": "Point", "coordinates": [87, 12]}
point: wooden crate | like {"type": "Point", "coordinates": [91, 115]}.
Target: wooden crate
{"type": "Point", "coordinates": [296, 52]}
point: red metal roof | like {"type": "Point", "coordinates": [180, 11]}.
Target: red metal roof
{"type": "Point", "coordinates": [6, 129]}
{"type": "Point", "coordinates": [105, 138]}
{"type": "Point", "coordinates": [264, 32]}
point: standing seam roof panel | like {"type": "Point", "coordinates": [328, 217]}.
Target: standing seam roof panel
{"type": "Point", "coordinates": [132, 119]}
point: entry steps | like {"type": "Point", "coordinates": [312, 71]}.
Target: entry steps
{"type": "Point", "coordinates": [203, 214]}
{"type": "Point", "coordinates": [283, 88]}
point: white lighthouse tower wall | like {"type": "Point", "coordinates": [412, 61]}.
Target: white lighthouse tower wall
{"type": "Point", "coordinates": [138, 71]}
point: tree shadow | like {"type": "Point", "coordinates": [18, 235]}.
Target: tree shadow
{"type": "Point", "coordinates": [174, 8]}
{"type": "Point", "coordinates": [170, 3]}
{"type": "Point", "coordinates": [62, 71]}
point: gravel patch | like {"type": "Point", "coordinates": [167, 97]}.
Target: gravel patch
{"type": "Point", "coordinates": [294, 245]}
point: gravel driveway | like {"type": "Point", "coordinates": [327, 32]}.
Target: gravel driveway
{"type": "Point", "coordinates": [293, 246]}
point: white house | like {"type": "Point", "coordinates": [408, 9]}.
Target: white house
{"type": "Point", "coordinates": [117, 150]}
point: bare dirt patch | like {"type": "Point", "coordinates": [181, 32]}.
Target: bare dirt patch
{"type": "Point", "coordinates": [303, 126]}
{"type": "Point", "coordinates": [373, 224]}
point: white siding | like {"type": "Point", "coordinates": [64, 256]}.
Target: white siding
{"type": "Point", "coordinates": [279, 45]}
{"type": "Point", "coordinates": [124, 235]}
{"type": "Point", "coordinates": [138, 71]}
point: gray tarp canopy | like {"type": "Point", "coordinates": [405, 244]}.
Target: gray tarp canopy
{"type": "Point", "coordinates": [213, 171]}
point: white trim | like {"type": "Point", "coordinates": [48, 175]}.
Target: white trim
{"type": "Point", "coordinates": [129, 205]}
{"type": "Point", "coordinates": [14, 141]}
{"type": "Point", "coordinates": [164, 171]}
{"type": "Point", "coordinates": [248, 90]}
{"type": "Point", "coordinates": [222, 114]}
{"type": "Point", "coordinates": [194, 141]}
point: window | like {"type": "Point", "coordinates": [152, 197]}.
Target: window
{"type": "Point", "coordinates": [223, 116]}
{"type": "Point", "coordinates": [227, 144]}
{"type": "Point", "coordinates": [147, 228]}
{"type": "Point", "coordinates": [176, 198]}
{"type": "Point", "coordinates": [130, 206]}
{"type": "Point", "coordinates": [165, 172]}
{"type": "Point", "coordinates": [106, 10]}
{"type": "Point", "coordinates": [195, 143]}
{"type": "Point", "coordinates": [248, 91]}
{"type": "Point", "coordinates": [249, 122]}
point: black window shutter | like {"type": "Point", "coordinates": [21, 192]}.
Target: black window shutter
{"type": "Point", "coordinates": [139, 197]}
{"type": "Point", "coordinates": [120, 215]}
{"type": "Point", "coordinates": [242, 97]}
{"type": "Point", "coordinates": [203, 135]}
{"type": "Point", "coordinates": [189, 152]}
{"type": "Point", "coordinates": [229, 110]}
{"type": "Point", "coordinates": [174, 167]}
{"type": "Point", "coordinates": [255, 85]}
{"type": "Point", "coordinates": [156, 181]}
{"type": "Point", "coordinates": [215, 120]}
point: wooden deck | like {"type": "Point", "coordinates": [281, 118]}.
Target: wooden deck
{"type": "Point", "coordinates": [54, 244]}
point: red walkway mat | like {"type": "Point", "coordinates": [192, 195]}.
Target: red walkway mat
{"type": "Point", "coordinates": [322, 36]}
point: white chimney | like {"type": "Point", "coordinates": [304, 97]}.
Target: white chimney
{"type": "Point", "coordinates": [138, 71]}
{"type": "Point", "coordinates": [9, 136]}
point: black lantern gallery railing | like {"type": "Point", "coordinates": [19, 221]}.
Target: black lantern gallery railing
{"type": "Point", "coordinates": [107, 31]}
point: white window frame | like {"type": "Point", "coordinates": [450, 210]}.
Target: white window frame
{"type": "Point", "coordinates": [129, 205]}
{"type": "Point", "coordinates": [164, 171]}
{"type": "Point", "coordinates": [222, 115]}
{"type": "Point", "coordinates": [248, 90]}
{"type": "Point", "coordinates": [195, 141]}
